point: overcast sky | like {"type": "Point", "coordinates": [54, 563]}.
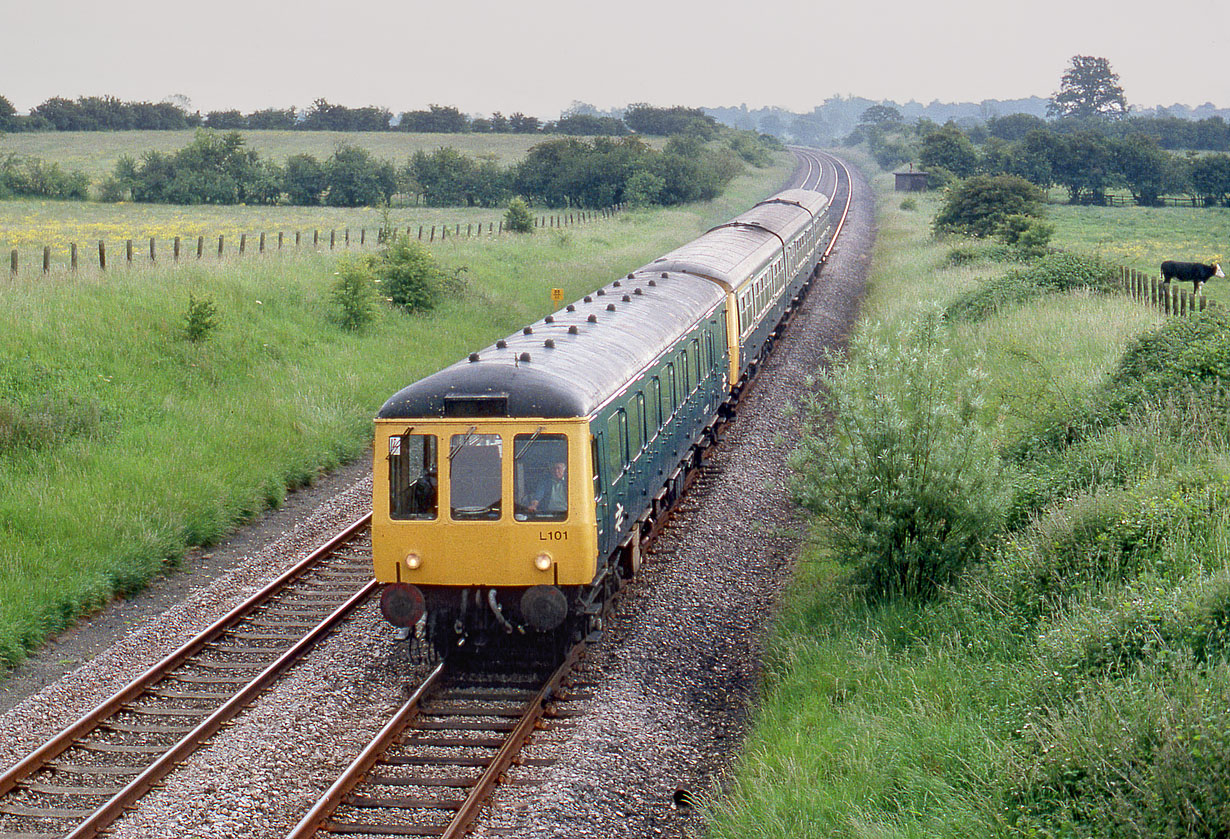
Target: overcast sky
{"type": "Point", "coordinates": [538, 56]}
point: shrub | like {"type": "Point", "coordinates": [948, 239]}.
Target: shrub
{"type": "Point", "coordinates": [1184, 353]}
{"type": "Point", "coordinates": [411, 277]}
{"type": "Point", "coordinates": [1054, 273]}
{"type": "Point", "coordinates": [643, 189]}
{"type": "Point", "coordinates": [355, 295]}
{"type": "Point", "coordinates": [909, 204]}
{"type": "Point", "coordinates": [906, 482]}
{"type": "Point", "coordinates": [978, 206]}
{"type": "Point", "coordinates": [517, 218]}
{"type": "Point", "coordinates": [1030, 236]}
{"type": "Point", "coordinates": [200, 319]}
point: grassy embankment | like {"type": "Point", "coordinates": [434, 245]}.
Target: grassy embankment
{"type": "Point", "coordinates": [1074, 682]}
{"type": "Point", "coordinates": [122, 443]}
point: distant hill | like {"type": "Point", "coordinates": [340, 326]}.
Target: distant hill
{"type": "Point", "coordinates": [838, 116]}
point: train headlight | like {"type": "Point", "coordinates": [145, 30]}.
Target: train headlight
{"type": "Point", "coordinates": [413, 561]}
{"type": "Point", "coordinates": [543, 561]}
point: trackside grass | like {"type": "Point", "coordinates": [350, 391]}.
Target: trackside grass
{"type": "Point", "coordinates": [1073, 680]}
{"type": "Point", "coordinates": [122, 443]}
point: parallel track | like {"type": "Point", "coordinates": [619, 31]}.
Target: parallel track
{"type": "Point", "coordinates": [82, 779]}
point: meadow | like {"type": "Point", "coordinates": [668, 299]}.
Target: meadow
{"type": "Point", "coordinates": [96, 152]}
{"type": "Point", "coordinates": [1072, 681]}
{"type": "Point", "coordinates": [123, 443]}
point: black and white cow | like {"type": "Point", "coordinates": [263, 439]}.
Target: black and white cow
{"type": "Point", "coordinates": [1193, 271]}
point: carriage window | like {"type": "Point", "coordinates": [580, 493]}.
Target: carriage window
{"type": "Point", "coordinates": [475, 476]}
{"type": "Point", "coordinates": [412, 476]}
{"type": "Point", "coordinates": [617, 450]}
{"type": "Point", "coordinates": [696, 360]}
{"type": "Point", "coordinates": [670, 385]}
{"type": "Point", "coordinates": [655, 404]}
{"type": "Point", "coordinates": [686, 371]}
{"type": "Point", "coordinates": [540, 477]}
{"type": "Point", "coordinates": [636, 425]}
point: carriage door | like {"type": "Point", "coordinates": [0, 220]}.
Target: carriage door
{"type": "Point", "coordinates": [601, 503]}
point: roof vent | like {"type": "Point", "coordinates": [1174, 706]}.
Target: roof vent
{"type": "Point", "coordinates": [664, 275]}
{"type": "Point", "coordinates": [629, 276]}
{"type": "Point", "coordinates": [473, 357]}
{"type": "Point", "coordinates": [616, 283]}
{"type": "Point", "coordinates": [639, 290]}
{"type": "Point", "coordinates": [627, 298]}
{"type": "Point", "coordinates": [601, 292]}
{"type": "Point", "coordinates": [548, 319]}
{"type": "Point", "coordinates": [571, 307]}
{"type": "Point", "coordinates": [610, 307]}
{"type": "Point", "coordinates": [549, 344]}
{"type": "Point", "coordinates": [592, 319]}
{"type": "Point", "coordinates": [589, 299]}
{"type": "Point", "coordinates": [524, 356]}
{"type": "Point", "coordinates": [529, 330]}
{"type": "Point", "coordinates": [501, 344]}
{"type": "Point", "coordinates": [653, 283]}
{"type": "Point", "coordinates": [572, 330]}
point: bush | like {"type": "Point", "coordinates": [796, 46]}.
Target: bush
{"type": "Point", "coordinates": [906, 482]}
{"type": "Point", "coordinates": [909, 204]}
{"type": "Point", "coordinates": [200, 319]}
{"type": "Point", "coordinates": [979, 205]}
{"type": "Point", "coordinates": [643, 189]}
{"type": "Point", "coordinates": [355, 294]}
{"type": "Point", "coordinates": [1054, 273]}
{"type": "Point", "coordinates": [517, 218]}
{"type": "Point", "coordinates": [411, 277]}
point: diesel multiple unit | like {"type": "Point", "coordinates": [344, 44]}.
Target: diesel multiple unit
{"type": "Point", "coordinates": [513, 489]}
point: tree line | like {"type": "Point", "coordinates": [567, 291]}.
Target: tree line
{"type": "Point", "coordinates": [219, 168]}
{"type": "Point", "coordinates": [109, 113]}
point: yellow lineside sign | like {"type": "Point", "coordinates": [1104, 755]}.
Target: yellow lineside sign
{"type": "Point", "coordinates": [557, 295]}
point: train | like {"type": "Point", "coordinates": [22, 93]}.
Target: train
{"type": "Point", "coordinates": [514, 490]}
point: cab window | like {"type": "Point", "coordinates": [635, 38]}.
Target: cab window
{"type": "Point", "coordinates": [540, 477]}
{"type": "Point", "coordinates": [413, 485]}
{"type": "Point", "coordinates": [475, 467]}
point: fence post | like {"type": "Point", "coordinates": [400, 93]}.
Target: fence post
{"type": "Point", "coordinates": [102, 255]}
{"type": "Point", "coordinates": [469, 230]}
{"type": "Point", "coordinates": [362, 236]}
{"type": "Point", "coordinates": [262, 241]}
{"type": "Point", "coordinates": [46, 259]}
{"type": "Point", "coordinates": [347, 237]}
{"type": "Point", "coordinates": [243, 243]}
{"type": "Point", "coordinates": [501, 227]}
{"type": "Point", "coordinates": [219, 247]}
{"type": "Point", "coordinates": [177, 249]}
{"type": "Point", "coordinates": [433, 234]}
{"type": "Point", "coordinates": [279, 240]}
{"type": "Point", "coordinates": [13, 262]}
{"type": "Point", "coordinates": [152, 254]}
{"type": "Point", "coordinates": [128, 250]}
{"type": "Point", "coordinates": [420, 232]}
{"type": "Point", "coordinates": [73, 257]}
{"type": "Point", "coordinates": [332, 238]}
{"type": "Point", "coordinates": [315, 238]}
{"type": "Point", "coordinates": [200, 246]}
{"type": "Point", "coordinates": [297, 236]}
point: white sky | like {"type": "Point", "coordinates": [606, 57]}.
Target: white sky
{"type": "Point", "coordinates": [537, 56]}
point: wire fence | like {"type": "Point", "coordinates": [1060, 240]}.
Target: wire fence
{"type": "Point", "coordinates": [130, 252]}
{"type": "Point", "coordinates": [1149, 290]}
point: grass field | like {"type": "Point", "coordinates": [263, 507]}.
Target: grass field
{"type": "Point", "coordinates": [122, 443]}
{"type": "Point", "coordinates": [95, 152]}
{"type": "Point", "coordinates": [1071, 683]}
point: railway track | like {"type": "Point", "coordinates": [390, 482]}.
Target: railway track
{"type": "Point", "coordinates": [431, 768]}
{"type": "Point", "coordinates": [82, 779]}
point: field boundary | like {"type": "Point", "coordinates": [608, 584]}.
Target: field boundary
{"type": "Point", "coordinates": [1149, 290]}
{"type": "Point", "coordinates": [185, 248]}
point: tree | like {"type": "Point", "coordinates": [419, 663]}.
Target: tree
{"type": "Point", "coordinates": [517, 218]}
{"type": "Point", "coordinates": [1143, 165]}
{"type": "Point", "coordinates": [355, 179]}
{"type": "Point", "coordinates": [880, 115]}
{"type": "Point", "coordinates": [1089, 89]}
{"type": "Point", "coordinates": [949, 148]}
{"type": "Point", "coordinates": [304, 180]}
{"type": "Point", "coordinates": [1084, 166]}
{"type": "Point", "coordinates": [1211, 178]}
{"type": "Point", "coordinates": [7, 112]}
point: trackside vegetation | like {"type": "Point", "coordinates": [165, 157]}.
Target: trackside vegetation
{"type": "Point", "coordinates": [147, 411]}
{"type": "Point", "coordinates": [1033, 640]}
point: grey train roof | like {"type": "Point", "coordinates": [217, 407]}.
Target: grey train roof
{"type": "Point", "coordinates": [731, 253]}
{"type": "Point", "coordinates": [572, 362]}
{"type": "Point", "coordinates": [585, 367]}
